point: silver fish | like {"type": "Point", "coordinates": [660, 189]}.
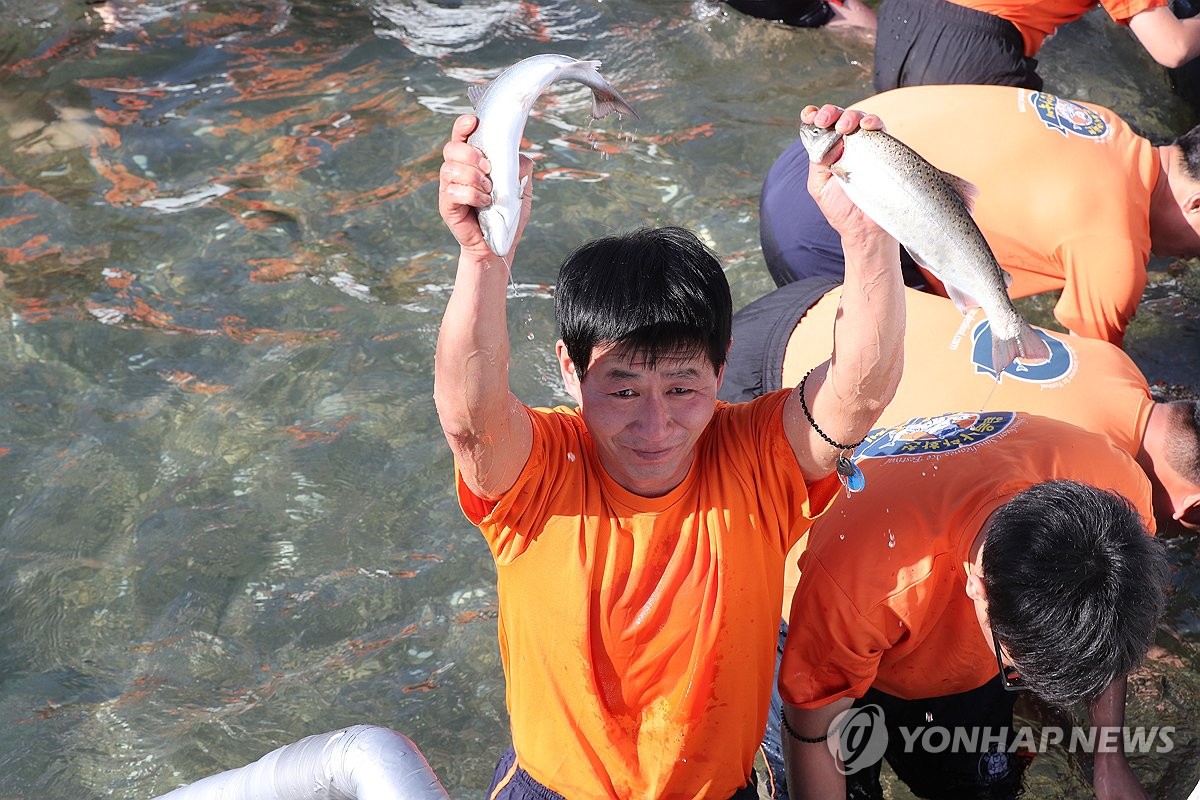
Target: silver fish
{"type": "Point", "coordinates": [929, 212]}
{"type": "Point", "coordinates": [503, 107]}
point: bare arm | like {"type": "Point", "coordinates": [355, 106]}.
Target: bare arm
{"type": "Point", "coordinates": [1111, 775]}
{"type": "Point", "coordinates": [1169, 40]}
{"type": "Point", "coordinates": [847, 393]}
{"type": "Point", "coordinates": [487, 428]}
{"type": "Point", "coordinates": [812, 769]}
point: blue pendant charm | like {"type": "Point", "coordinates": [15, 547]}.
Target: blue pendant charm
{"type": "Point", "coordinates": [850, 475]}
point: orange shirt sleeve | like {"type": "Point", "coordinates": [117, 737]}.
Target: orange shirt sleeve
{"type": "Point", "coordinates": [1104, 280]}
{"type": "Point", "coordinates": [1124, 10]}
{"type": "Point", "coordinates": [836, 655]}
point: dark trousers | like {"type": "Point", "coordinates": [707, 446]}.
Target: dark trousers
{"type": "Point", "coordinates": [510, 782]}
{"type": "Point", "coordinates": [923, 42]}
{"type": "Point", "coordinates": [797, 241]}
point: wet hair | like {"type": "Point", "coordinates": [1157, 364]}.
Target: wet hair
{"type": "Point", "coordinates": [654, 293]}
{"type": "Point", "coordinates": [1075, 588]}
{"type": "Point", "coordinates": [1189, 149]}
{"type": "Point", "coordinates": [1183, 440]}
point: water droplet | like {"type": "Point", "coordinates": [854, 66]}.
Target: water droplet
{"type": "Point", "coordinates": [841, 536]}
{"type": "Point", "coordinates": [891, 538]}
{"type": "Point", "coordinates": [571, 457]}
{"type": "Point", "coordinates": [929, 716]}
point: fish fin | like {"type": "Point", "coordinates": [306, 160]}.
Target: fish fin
{"type": "Point", "coordinates": [1007, 278]}
{"type": "Point", "coordinates": [1031, 346]}
{"type": "Point", "coordinates": [475, 93]}
{"type": "Point", "coordinates": [962, 300]}
{"type": "Point", "coordinates": [1026, 345]}
{"type": "Point", "coordinates": [963, 188]}
{"type": "Point", "coordinates": [605, 102]}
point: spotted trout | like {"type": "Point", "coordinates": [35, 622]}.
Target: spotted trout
{"type": "Point", "coordinates": [929, 212]}
{"type": "Point", "coordinates": [503, 107]}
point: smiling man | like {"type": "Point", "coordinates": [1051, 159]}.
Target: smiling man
{"type": "Point", "coordinates": [639, 538]}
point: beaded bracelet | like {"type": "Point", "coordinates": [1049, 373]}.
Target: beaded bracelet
{"type": "Point", "coordinates": [808, 415]}
{"type": "Point", "coordinates": [848, 473]}
{"type": "Point", "coordinates": [792, 733]}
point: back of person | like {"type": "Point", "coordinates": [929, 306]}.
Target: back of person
{"type": "Point", "coordinates": [1064, 195]}
{"type": "Point", "coordinates": [947, 367]}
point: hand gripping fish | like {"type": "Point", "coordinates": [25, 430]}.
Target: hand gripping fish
{"type": "Point", "coordinates": [503, 107]}
{"type": "Point", "coordinates": [929, 212]}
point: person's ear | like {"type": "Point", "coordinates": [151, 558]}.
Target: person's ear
{"type": "Point", "coordinates": [566, 368]}
{"type": "Point", "coordinates": [1191, 205]}
{"type": "Point", "coordinates": [975, 589]}
{"type": "Point", "coordinates": [1188, 511]}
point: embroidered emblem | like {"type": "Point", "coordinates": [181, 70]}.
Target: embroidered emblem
{"type": "Point", "coordinates": [1068, 117]}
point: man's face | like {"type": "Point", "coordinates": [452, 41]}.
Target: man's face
{"type": "Point", "coordinates": [645, 421]}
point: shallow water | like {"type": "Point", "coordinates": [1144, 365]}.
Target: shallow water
{"type": "Point", "coordinates": [226, 519]}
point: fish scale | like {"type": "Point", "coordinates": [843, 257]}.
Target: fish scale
{"type": "Point", "coordinates": [503, 107]}
{"type": "Point", "coordinates": [928, 212]}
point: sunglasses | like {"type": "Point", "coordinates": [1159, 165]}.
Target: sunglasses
{"type": "Point", "coordinates": [1010, 677]}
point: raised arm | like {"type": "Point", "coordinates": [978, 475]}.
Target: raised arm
{"type": "Point", "coordinates": [846, 394]}
{"type": "Point", "coordinates": [1170, 41]}
{"type": "Point", "coordinates": [487, 427]}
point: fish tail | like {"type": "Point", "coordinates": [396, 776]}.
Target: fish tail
{"type": "Point", "coordinates": [606, 100]}
{"type": "Point", "coordinates": [1027, 345]}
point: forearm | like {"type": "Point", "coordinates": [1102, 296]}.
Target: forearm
{"type": "Point", "coordinates": [1170, 41]}
{"type": "Point", "coordinates": [1111, 775]}
{"type": "Point", "coordinates": [868, 335]}
{"type": "Point", "coordinates": [812, 768]}
{"type": "Point", "coordinates": [471, 387]}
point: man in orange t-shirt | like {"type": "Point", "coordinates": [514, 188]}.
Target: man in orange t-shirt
{"type": "Point", "coordinates": [986, 542]}
{"type": "Point", "coordinates": [1070, 198]}
{"type": "Point", "coordinates": [639, 538]}
{"type": "Point", "coordinates": [931, 42]}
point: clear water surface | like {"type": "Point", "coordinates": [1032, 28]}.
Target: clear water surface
{"type": "Point", "coordinates": [226, 518]}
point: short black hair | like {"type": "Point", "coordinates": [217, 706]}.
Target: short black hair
{"type": "Point", "coordinates": [654, 292]}
{"type": "Point", "coordinates": [1183, 439]}
{"type": "Point", "coordinates": [1189, 148]}
{"type": "Point", "coordinates": [1075, 587]}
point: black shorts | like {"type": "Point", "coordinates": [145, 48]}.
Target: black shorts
{"type": "Point", "coordinates": [990, 774]}
{"type": "Point", "coordinates": [797, 241]}
{"type": "Point", "coordinates": [922, 42]}
{"type": "Point", "coordinates": [510, 782]}
{"type": "Point", "coordinates": [761, 332]}
{"type": "Point", "coordinates": [803, 14]}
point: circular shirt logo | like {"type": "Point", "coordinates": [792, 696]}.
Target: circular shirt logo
{"type": "Point", "coordinates": [931, 435]}
{"type": "Point", "coordinates": [1055, 368]}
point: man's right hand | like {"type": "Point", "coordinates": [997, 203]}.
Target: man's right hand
{"type": "Point", "coordinates": [464, 187]}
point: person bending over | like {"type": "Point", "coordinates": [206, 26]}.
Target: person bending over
{"type": "Point", "coordinates": [1070, 197]}
{"type": "Point", "coordinates": [999, 551]}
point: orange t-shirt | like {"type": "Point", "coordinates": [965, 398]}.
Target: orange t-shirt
{"type": "Point", "coordinates": [881, 598]}
{"type": "Point", "coordinates": [638, 634]}
{"type": "Point", "coordinates": [948, 367]}
{"type": "Point", "coordinates": [1037, 19]}
{"type": "Point", "coordinates": [1064, 190]}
